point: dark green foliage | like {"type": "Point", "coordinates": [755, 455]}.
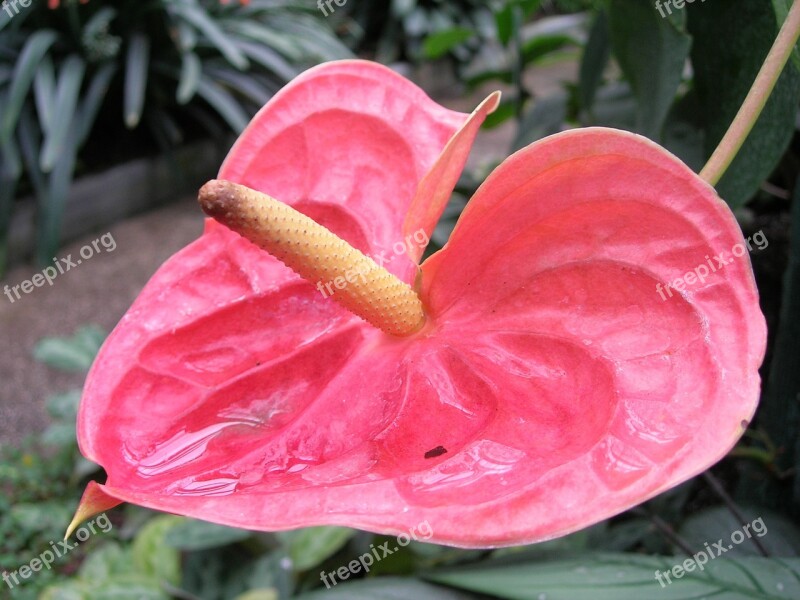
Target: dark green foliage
{"type": "Point", "coordinates": [143, 74]}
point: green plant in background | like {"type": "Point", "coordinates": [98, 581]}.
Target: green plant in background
{"type": "Point", "coordinates": [38, 481]}
{"type": "Point", "coordinates": [649, 89]}
{"type": "Point", "coordinates": [171, 66]}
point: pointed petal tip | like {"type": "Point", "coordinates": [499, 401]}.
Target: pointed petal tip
{"type": "Point", "coordinates": [94, 501]}
{"type": "Point", "coordinates": [491, 102]}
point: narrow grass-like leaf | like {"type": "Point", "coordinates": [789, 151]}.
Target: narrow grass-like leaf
{"type": "Point", "coordinates": [245, 84]}
{"type": "Point", "coordinates": [225, 104]}
{"type": "Point", "coordinates": [317, 39]}
{"type": "Point", "coordinates": [51, 206]}
{"type": "Point", "coordinates": [24, 72]}
{"type": "Point", "coordinates": [136, 78]}
{"type": "Point", "coordinates": [70, 79]}
{"type": "Point", "coordinates": [93, 99]}
{"type": "Point", "coordinates": [44, 92]}
{"type": "Point", "coordinates": [269, 59]}
{"type": "Point", "coordinates": [214, 34]}
{"type": "Point", "coordinates": [185, 37]}
{"type": "Point", "coordinates": [191, 69]}
{"type": "Point", "coordinates": [268, 36]}
{"type": "Point", "coordinates": [30, 143]}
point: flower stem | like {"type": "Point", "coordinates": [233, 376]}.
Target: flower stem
{"type": "Point", "coordinates": [756, 98]}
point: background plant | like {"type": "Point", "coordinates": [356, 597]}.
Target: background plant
{"type": "Point", "coordinates": [97, 81]}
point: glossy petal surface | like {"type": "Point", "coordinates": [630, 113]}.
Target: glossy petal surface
{"type": "Point", "coordinates": [552, 386]}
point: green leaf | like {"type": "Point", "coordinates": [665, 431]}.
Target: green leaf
{"type": "Point", "coordinates": [199, 535]}
{"type": "Point", "coordinates": [63, 406]}
{"type": "Point", "coordinates": [124, 587]}
{"type": "Point", "coordinates": [67, 91]}
{"type": "Point", "coordinates": [136, 68]}
{"type": "Point", "coordinates": [629, 577]}
{"type": "Point", "coordinates": [652, 52]}
{"type": "Point", "coordinates": [440, 43]}
{"type": "Point", "coordinates": [243, 83]}
{"type": "Point", "coordinates": [198, 17]}
{"type": "Point", "coordinates": [29, 134]}
{"type": "Point", "coordinates": [684, 132]}
{"type": "Point", "coordinates": [40, 516]}
{"type": "Point", "coordinates": [104, 562]}
{"type": "Point", "coordinates": [545, 118]}
{"type": "Point", "coordinates": [732, 38]}
{"type": "Point", "coordinates": [504, 18]}
{"type": "Point", "coordinates": [93, 99]}
{"type": "Point", "coordinates": [69, 590]}
{"type": "Point", "coordinates": [267, 36]}
{"type": "Point", "coordinates": [191, 69]}
{"type": "Point", "coordinates": [778, 535]}
{"type": "Point", "coordinates": [90, 338]}
{"type": "Point", "coordinates": [225, 104]}
{"type": "Point", "coordinates": [310, 546]}
{"type": "Point", "coordinates": [51, 206]}
{"type": "Point", "coordinates": [152, 556]}
{"type": "Point", "coordinates": [44, 92]}
{"type": "Point", "coordinates": [269, 59]}
{"type": "Point", "coordinates": [536, 48]}
{"type": "Point", "coordinates": [615, 106]}
{"type": "Point", "coordinates": [70, 354]}
{"type": "Point", "coordinates": [25, 70]}
{"type": "Point", "coordinates": [594, 60]}
{"type": "Point", "coordinates": [185, 37]}
{"type": "Point", "coordinates": [386, 588]}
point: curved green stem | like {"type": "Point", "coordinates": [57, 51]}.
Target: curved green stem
{"type": "Point", "coordinates": [756, 99]}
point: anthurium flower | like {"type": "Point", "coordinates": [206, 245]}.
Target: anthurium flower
{"type": "Point", "coordinates": [543, 371]}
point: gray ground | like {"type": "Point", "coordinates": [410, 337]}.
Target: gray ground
{"type": "Point", "coordinates": [97, 291]}
{"type": "Point", "coordinates": [100, 290]}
